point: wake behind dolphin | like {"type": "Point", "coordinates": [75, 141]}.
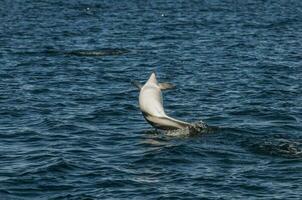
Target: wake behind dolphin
{"type": "Point", "coordinates": [151, 105]}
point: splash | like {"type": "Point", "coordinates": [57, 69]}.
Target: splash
{"type": "Point", "coordinates": [196, 128]}
{"type": "Point", "coordinates": [279, 147]}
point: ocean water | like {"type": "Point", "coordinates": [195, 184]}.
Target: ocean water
{"type": "Point", "coordinates": [70, 125]}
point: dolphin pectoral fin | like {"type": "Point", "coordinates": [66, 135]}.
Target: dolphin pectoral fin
{"type": "Point", "coordinates": [166, 86]}
{"type": "Point", "coordinates": [137, 84]}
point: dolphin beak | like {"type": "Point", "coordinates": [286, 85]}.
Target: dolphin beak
{"type": "Point", "coordinates": [153, 74]}
{"type": "Point", "coordinates": [153, 77]}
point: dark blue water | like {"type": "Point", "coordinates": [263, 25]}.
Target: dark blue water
{"type": "Point", "coordinates": [70, 125]}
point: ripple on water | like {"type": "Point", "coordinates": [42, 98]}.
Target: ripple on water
{"type": "Point", "coordinates": [280, 147]}
{"type": "Point", "coordinates": [70, 126]}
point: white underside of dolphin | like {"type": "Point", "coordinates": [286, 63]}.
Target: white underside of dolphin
{"type": "Point", "coordinates": [151, 105]}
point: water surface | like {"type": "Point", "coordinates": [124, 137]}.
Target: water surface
{"type": "Point", "coordinates": [71, 127]}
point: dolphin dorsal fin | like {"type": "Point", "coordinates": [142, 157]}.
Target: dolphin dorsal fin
{"type": "Point", "coordinates": [166, 86]}
{"type": "Point", "coordinates": [137, 84]}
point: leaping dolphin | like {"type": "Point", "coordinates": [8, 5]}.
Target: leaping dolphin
{"type": "Point", "coordinates": [151, 105]}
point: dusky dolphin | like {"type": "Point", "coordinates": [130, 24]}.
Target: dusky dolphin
{"type": "Point", "coordinates": [151, 105]}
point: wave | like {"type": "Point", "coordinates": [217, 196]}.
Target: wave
{"type": "Point", "coordinates": [99, 52]}
{"type": "Point", "coordinates": [82, 52]}
{"type": "Point", "coordinates": [276, 147]}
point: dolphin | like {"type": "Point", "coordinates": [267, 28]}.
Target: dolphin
{"type": "Point", "coordinates": [151, 105]}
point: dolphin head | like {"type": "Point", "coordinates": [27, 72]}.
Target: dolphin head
{"type": "Point", "coordinates": [152, 78]}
